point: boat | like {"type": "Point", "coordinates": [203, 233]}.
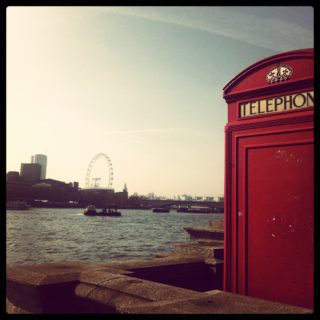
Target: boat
{"type": "Point", "coordinates": [105, 212]}
{"type": "Point", "coordinates": [182, 209]}
{"type": "Point", "coordinates": [110, 212]}
{"type": "Point", "coordinates": [161, 210]}
{"type": "Point", "coordinates": [90, 210]}
{"type": "Point", "coordinates": [195, 209]}
{"type": "Point", "coordinates": [17, 205]}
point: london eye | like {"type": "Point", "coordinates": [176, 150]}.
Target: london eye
{"type": "Point", "coordinates": [108, 169]}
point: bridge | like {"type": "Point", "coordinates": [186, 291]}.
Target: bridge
{"type": "Point", "coordinates": [214, 205]}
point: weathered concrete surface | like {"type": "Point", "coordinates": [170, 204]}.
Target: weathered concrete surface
{"type": "Point", "coordinates": [197, 276]}
{"type": "Point", "coordinates": [214, 302]}
{"type": "Point", "coordinates": [101, 288]}
{"type": "Point", "coordinates": [46, 288]}
{"type": "Point", "coordinates": [116, 290]}
{"type": "Point", "coordinates": [194, 266]}
{"type": "Point", "coordinates": [217, 224]}
{"type": "Point", "coordinates": [12, 309]}
{"type": "Point", "coordinates": [214, 231]}
{"type": "Point", "coordinates": [47, 273]}
{"type": "Point", "coordinates": [51, 288]}
{"type": "Point", "coordinates": [207, 242]}
{"type": "Point", "coordinates": [201, 250]}
{"type": "Point", "coordinates": [197, 250]}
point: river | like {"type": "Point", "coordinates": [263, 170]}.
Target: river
{"type": "Point", "coordinates": [42, 235]}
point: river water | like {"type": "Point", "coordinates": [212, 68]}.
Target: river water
{"type": "Point", "coordinates": [41, 235]}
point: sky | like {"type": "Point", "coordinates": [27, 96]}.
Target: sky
{"type": "Point", "coordinates": [142, 85]}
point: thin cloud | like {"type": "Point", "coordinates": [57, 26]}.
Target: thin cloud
{"type": "Point", "coordinates": [142, 131]}
{"type": "Point", "coordinates": [178, 131]}
{"type": "Point", "coordinates": [266, 32]}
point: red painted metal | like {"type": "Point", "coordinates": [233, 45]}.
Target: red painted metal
{"type": "Point", "coordinates": [269, 185]}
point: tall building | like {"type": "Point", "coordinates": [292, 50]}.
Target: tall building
{"type": "Point", "coordinates": [42, 160]}
{"type": "Point", "coordinates": [30, 172]}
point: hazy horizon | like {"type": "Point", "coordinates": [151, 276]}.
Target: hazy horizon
{"type": "Point", "coordinates": [141, 84]}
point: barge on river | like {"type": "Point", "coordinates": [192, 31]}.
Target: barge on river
{"type": "Point", "coordinates": [105, 212]}
{"type": "Point", "coordinates": [195, 209]}
{"type": "Point", "coordinates": [161, 210]}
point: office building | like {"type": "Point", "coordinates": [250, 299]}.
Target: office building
{"type": "Point", "coordinates": [30, 172]}
{"type": "Point", "coordinates": [42, 160]}
{"type": "Point", "coordinates": [13, 176]}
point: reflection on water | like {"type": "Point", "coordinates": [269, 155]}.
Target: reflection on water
{"type": "Point", "coordinates": [43, 235]}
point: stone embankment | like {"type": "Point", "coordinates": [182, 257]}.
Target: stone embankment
{"type": "Point", "coordinates": [188, 280]}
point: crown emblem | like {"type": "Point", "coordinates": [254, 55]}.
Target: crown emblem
{"type": "Point", "coordinates": [280, 73]}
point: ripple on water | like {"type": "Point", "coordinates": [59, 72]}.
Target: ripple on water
{"type": "Point", "coordinates": [52, 235]}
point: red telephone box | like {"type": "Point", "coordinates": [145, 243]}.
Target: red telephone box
{"type": "Point", "coordinates": [269, 180]}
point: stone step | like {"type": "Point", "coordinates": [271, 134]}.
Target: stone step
{"type": "Point", "coordinates": [197, 249]}
{"type": "Point", "coordinates": [198, 233]}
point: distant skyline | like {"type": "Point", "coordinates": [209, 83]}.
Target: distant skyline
{"type": "Point", "coordinates": [140, 84]}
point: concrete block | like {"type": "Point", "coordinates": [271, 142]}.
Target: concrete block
{"type": "Point", "coordinates": [93, 286]}
{"type": "Point", "coordinates": [215, 302]}
{"type": "Point", "coordinates": [45, 288]}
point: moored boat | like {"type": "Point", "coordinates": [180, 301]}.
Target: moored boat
{"type": "Point", "coordinates": [161, 210]}
{"type": "Point", "coordinates": [182, 209]}
{"type": "Point", "coordinates": [195, 209]}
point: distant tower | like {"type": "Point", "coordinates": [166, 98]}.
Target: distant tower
{"type": "Point", "coordinates": [42, 160]}
{"type": "Point", "coordinates": [125, 189]}
{"type": "Point", "coordinates": [30, 172]}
